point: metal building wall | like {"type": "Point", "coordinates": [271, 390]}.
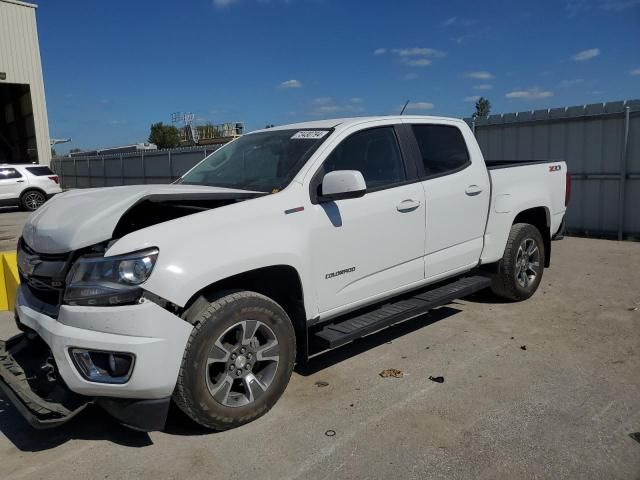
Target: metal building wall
{"type": "Point", "coordinates": [20, 59]}
{"type": "Point", "coordinates": [151, 166]}
{"type": "Point", "coordinates": [601, 145]}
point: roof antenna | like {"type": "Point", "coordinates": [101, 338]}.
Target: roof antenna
{"type": "Point", "coordinates": [403, 108]}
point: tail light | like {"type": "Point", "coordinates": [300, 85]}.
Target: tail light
{"type": "Point", "coordinates": [567, 191]}
{"type": "Point", "coordinates": [54, 178]}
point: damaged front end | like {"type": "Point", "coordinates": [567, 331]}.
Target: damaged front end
{"type": "Point", "coordinates": [80, 218]}
{"type": "Point", "coordinates": [30, 380]}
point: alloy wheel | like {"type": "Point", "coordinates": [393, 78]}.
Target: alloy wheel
{"type": "Point", "coordinates": [242, 363]}
{"type": "Point", "coordinates": [34, 200]}
{"type": "Point", "coordinates": [527, 262]}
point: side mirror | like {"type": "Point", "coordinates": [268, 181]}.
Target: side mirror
{"type": "Point", "coordinates": [341, 184]}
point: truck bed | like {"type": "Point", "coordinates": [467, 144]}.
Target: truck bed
{"type": "Point", "coordinates": [495, 164]}
{"type": "Point", "coordinates": [517, 186]}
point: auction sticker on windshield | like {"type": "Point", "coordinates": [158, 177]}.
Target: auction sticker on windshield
{"type": "Point", "coordinates": [309, 134]}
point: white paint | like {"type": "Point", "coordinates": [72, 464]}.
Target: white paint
{"type": "Point", "coordinates": [156, 337]}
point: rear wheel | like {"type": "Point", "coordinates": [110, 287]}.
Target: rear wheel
{"type": "Point", "coordinates": [520, 270]}
{"type": "Point", "coordinates": [238, 360]}
{"type": "Point", "coordinates": [31, 200]}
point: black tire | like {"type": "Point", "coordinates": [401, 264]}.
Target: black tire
{"type": "Point", "coordinates": [31, 200]}
{"type": "Point", "coordinates": [214, 321]}
{"type": "Point", "coordinates": [508, 281]}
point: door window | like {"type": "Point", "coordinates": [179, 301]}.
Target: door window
{"type": "Point", "coordinates": [6, 173]}
{"type": "Point", "coordinates": [40, 171]}
{"type": "Point", "coordinates": [442, 147]}
{"type": "Point", "coordinates": [375, 153]}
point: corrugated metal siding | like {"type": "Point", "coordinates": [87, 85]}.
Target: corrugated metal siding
{"type": "Point", "coordinates": [153, 166]}
{"type": "Point", "coordinates": [20, 59]}
{"type": "Point", "coordinates": [591, 139]}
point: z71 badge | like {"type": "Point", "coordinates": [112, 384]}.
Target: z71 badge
{"type": "Point", "coordinates": [555, 168]}
{"type": "Point", "coordinates": [339, 272]}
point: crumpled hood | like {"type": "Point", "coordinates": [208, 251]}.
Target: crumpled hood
{"type": "Point", "coordinates": [84, 217]}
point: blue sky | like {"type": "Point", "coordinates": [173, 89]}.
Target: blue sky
{"type": "Point", "coordinates": [113, 68]}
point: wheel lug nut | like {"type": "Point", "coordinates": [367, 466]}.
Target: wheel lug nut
{"type": "Point", "coordinates": [233, 356]}
{"type": "Point", "coordinates": [242, 350]}
{"type": "Point", "coordinates": [249, 355]}
{"type": "Point", "coordinates": [248, 366]}
{"type": "Point", "coordinates": [239, 372]}
{"type": "Point", "coordinates": [230, 367]}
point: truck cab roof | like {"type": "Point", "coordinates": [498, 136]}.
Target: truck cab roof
{"type": "Point", "coordinates": [351, 121]}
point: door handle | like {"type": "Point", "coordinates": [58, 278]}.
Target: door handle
{"type": "Point", "coordinates": [19, 181]}
{"type": "Point", "coordinates": [408, 205]}
{"type": "Point", "coordinates": [473, 190]}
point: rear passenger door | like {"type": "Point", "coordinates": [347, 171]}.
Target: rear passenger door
{"type": "Point", "coordinates": [457, 192]}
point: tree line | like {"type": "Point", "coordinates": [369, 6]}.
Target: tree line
{"type": "Point", "coordinates": [168, 136]}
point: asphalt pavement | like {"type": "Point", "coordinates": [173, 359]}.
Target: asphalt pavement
{"type": "Point", "coordinates": [546, 388]}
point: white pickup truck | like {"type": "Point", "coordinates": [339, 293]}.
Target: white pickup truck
{"type": "Point", "coordinates": [282, 244]}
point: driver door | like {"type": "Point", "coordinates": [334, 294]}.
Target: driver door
{"type": "Point", "coordinates": [367, 247]}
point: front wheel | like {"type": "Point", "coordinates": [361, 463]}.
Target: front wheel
{"type": "Point", "coordinates": [238, 360]}
{"type": "Point", "coordinates": [520, 270]}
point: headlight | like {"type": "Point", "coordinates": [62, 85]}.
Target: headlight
{"type": "Point", "coordinates": [97, 280]}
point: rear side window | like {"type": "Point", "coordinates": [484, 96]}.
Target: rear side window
{"type": "Point", "coordinates": [6, 173]}
{"type": "Point", "coordinates": [375, 153]}
{"type": "Point", "coordinates": [40, 171]}
{"type": "Point", "coordinates": [442, 148]}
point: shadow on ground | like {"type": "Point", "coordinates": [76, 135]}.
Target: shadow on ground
{"type": "Point", "coordinates": [10, 209]}
{"type": "Point", "coordinates": [95, 424]}
{"type": "Point", "coordinates": [486, 296]}
{"type": "Point", "coordinates": [92, 424]}
{"type": "Point", "coordinates": [332, 357]}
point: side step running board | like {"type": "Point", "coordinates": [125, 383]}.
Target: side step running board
{"type": "Point", "coordinates": [358, 325]}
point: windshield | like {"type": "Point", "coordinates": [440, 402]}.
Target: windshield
{"type": "Point", "coordinates": [264, 162]}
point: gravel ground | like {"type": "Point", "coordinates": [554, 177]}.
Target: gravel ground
{"type": "Point", "coordinates": [564, 407]}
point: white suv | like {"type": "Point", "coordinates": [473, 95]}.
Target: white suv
{"type": "Point", "coordinates": [28, 185]}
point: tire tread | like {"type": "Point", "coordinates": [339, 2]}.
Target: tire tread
{"type": "Point", "coordinates": [503, 284]}
{"type": "Point", "coordinates": [198, 316]}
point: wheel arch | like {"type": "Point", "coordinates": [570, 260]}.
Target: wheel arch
{"type": "Point", "coordinates": [281, 283]}
{"type": "Point", "coordinates": [30, 188]}
{"type": "Point", "coordinates": [540, 218]}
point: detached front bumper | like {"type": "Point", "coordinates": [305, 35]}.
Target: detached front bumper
{"type": "Point", "coordinates": [27, 378]}
{"type": "Point", "coordinates": [153, 336]}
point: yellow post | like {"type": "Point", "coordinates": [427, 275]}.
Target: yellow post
{"type": "Point", "coordinates": [4, 304]}
{"type": "Point", "coordinates": [9, 280]}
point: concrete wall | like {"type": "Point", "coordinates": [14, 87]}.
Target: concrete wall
{"type": "Point", "coordinates": [601, 145]}
{"type": "Point", "coordinates": [20, 59]}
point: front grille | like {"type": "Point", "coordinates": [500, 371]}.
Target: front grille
{"type": "Point", "coordinates": [43, 274]}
